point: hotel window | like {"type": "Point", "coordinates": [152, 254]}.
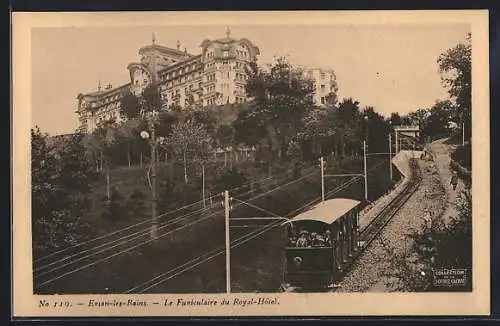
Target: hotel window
{"type": "Point", "coordinates": [322, 88]}
{"type": "Point", "coordinates": [322, 100]}
{"type": "Point", "coordinates": [322, 75]}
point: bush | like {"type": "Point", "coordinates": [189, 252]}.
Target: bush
{"type": "Point", "coordinates": [166, 195]}
{"type": "Point", "coordinates": [135, 203]}
{"type": "Point", "coordinates": [442, 245]}
{"type": "Point", "coordinates": [113, 209]}
{"type": "Point", "coordinates": [229, 179]}
{"type": "Point", "coordinates": [463, 156]}
{"type": "Point", "coordinates": [60, 178]}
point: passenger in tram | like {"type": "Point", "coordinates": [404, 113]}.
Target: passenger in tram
{"type": "Point", "coordinates": [317, 240]}
{"type": "Point", "coordinates": [328, 238]}
{"type": "Point", "coordinates": [302, 241]}
{"type": "Point", "coordinates": [292, 238]}
{"type": "Point", "coordinates": [454, 179]}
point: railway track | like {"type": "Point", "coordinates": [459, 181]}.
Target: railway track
{"type": "Point", "coordinates": [373, 229]}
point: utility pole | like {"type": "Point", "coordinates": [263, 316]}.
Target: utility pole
{"type": "Point", "coordinates": [390, 156]}
{"type": "Point", "coordinates": [397, 142]}
{"type": "Point", "coordinates": [463, 133]}
{"type": "Point", "coordinates": [154, 217]}
{"type": "Point", "coordinates": [322, 178]}
{"type": "Point", "coordinates": [203, 184]}
{"type": "Point", "coordinates": [364, 164]}
{"type": "Point", "coordinates": [228, 244]}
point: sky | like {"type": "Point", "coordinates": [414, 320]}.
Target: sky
{"type": "Point", "coordinates": [390, 67]}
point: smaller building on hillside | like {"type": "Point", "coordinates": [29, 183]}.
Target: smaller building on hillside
{"type": "Point", "coordinates": [325, 83]}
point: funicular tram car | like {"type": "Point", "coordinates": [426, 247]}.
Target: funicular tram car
{"type": "Point", "coordinates": [320, 243]}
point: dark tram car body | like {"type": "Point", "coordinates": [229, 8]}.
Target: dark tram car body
{"type": "Point", "coordinates": [319, 264]}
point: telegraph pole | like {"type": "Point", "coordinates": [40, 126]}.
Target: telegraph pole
{"type": "Point", "coordinates": [390, 156]}
{"type": "Point", "coordinates": [228, 244]}
{"type": "Point", "coordinates": [203, 184]}
{"type": "Point", "coordinates": [397, 142]}
{"type": "Point", "coordinates": [364, 164]}
{"type": "Point", "coordinates": [154, 217]}
{"type": "Point", "coordinates": [463, 133]}
{"type": "Point", "coordinates": [322, 178]}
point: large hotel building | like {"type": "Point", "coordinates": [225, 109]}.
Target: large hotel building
{"type": "Point", "coordinates": [216, 76]}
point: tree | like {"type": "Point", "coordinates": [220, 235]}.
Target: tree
{"type": "Point", "coordinates": [436, 124]}
{"type": "Point", "coordinates": [281, 96]}
{"type": "Point", "coordinates": [127, 134]}
{"type": "Point", "coordinates": [224, 136]}
{"type": "Point", "coordinates": [418, 117]}
{"type": "Point", "coordinates": [129, 106]}
{"type": "Point", "coordinates": [60, 179]}
{"type": "Point", "coordinates": [229, 179]}
{"type": "Point", "coordinates": [165, 123]}
{"type": "Point", "coordinates": [205, 118]}
{"type": "Point", "coordinates": [348, 123]}
{"type": "Point", "coordinates": [102, 141]}
{"type": "Point", "coordinates": [249, 127]}
{"type": "Point", "coordinates": [150, 100]}
{"type": "Point", "coordinates": [319, 126]}
{"type": "Point", "coordinates": [455, 67]}
{"type": "Point", "coordinates": [377, 130]}
{"type": "Point", "coordinates": [395, 119]}
{"type": "Point", "coordinates": [189, 139]}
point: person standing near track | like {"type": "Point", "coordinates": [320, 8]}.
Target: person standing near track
{"type": "Point", "coordinates": [427, 218]}
{"type": "Point", "coordinates": [454, 179]}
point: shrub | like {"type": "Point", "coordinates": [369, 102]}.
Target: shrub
{"type": "Point", "coordinates": [136, 203]}
{"type": "Point", "coordinates": [463, 156]}
{"type": "Point", "coordinates": [113, 209]}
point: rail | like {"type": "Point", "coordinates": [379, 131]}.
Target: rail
{"type": "Point", "coordinates": [370, 232]}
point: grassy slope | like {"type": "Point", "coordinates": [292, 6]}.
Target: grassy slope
{"type": "Point", "coordinates": [256, 265]}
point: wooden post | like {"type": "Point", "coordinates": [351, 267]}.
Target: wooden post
{"type": "Point", "coordinates": [228, 243]}
{"type": "Point", "coordinates": [366, 177]}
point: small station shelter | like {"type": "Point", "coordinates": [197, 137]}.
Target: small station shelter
{"type": "Point", "coordinates": [407, 137]}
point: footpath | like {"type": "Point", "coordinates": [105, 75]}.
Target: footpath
{"type": "Point", "coordinates": [441, 152]}
{"type": "Point", "coordinates": [375, 271]}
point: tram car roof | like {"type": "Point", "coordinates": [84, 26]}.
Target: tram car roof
{"type": "Point", "coordinates": [328, 211]}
